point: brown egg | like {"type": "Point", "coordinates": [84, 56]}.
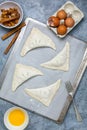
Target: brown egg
{"type": "Point", "coordinates": [53, 21]}
{"type": "Point", "coordinates": [69, 22]}
{"type": "Point", "coordinates": [61, 30]}
{"type": "Point", "coordinates": [61, 14]}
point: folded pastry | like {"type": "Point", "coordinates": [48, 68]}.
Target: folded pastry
{"type": "Point", "coordinates": [44, 94]}
{"type": "Point", "coordinates": [23, 73]}
{"type": "Point", "coordinates": [61, 61]}
{"type": "Point", "coordinates": [37, 39]}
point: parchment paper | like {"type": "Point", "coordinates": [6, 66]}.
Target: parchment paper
{"type": "Point", "coordinates": [35, 58]}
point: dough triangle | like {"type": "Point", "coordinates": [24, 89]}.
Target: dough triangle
{"type": "Point", "coordinates": [37, 39]}
{"type": "Point", "coordinates": [45, 94]}
{"type": "Point", "coordinates": [23, 73]}
{"type": "Point", "coordinates": [61, 61]}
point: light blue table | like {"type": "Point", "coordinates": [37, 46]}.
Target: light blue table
{"type": "Point", "coordinates": [41, 10]}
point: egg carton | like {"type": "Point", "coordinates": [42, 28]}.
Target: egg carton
{"type": "Point", "coordinates": [72, 10]}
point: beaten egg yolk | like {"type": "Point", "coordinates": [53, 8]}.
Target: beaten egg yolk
{"type": "Point", "coordinates": [16, 117]}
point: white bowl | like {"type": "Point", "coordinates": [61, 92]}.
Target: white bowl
{"type": "Point", "coordinates": [11, 4]}
{"type": "Point", "coordinates": [12, 127]}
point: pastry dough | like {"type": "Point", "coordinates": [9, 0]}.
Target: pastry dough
{"type": "Point", "coordinates": [23, 73]}
{"type": "Point", "coordinates": [61, 61]}
{"type": "Point", "coordinates": [45, 94]}
{"type": "Point", "coordinates": [37, 39]}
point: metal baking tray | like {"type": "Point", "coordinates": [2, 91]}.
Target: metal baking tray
{"type": "Point", "coordinates": [78, 57]}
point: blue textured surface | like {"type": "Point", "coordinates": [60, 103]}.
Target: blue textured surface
{"type": "Point", "coordinates": [41, 10]}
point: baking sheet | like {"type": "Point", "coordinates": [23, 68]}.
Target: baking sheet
{"type": "Point", "coordinates": [35, 58]}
